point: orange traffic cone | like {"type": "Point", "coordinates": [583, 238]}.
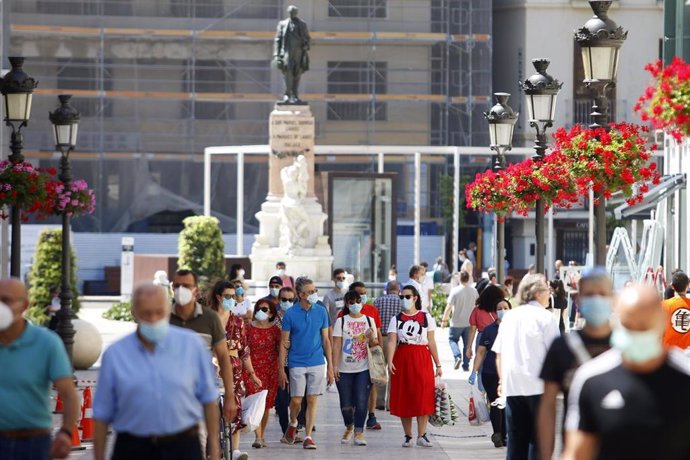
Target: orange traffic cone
{"type": "Point", "coordinates": [76, 442]}
{"type": "Point", "coordinates": [87, 425]}
{"type": "Point", "coordinates": [58, 405]}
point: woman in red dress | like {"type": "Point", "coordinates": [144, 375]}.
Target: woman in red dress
{"type": "Point", "coordinates": [264, 339]}
{"type": "Point", "coordinates": [223, 301]}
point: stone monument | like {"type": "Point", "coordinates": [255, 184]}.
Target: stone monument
{"type": "Point", "coordinates": [291, 220]}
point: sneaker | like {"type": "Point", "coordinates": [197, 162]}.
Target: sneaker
{"type": "Point", "coordinates": [408, 441]}
{"type": "Point", "coordinates": [466, 368]}
{"type": "Point", "coordinates": [423, 441]}
{"type": "Point", "coordinates": [309, 443]}
{"type": "Point", "coordinates": [237, 455]}
{"type": "Point", "coordinates": [359, 439]}
{"type": "Point", "coordinates": [257, 444]}
{"type": "Point", "coordinates": [497, 440]}
{"type": "Point", "coordinates": [290, 434]}
{"type": "Point", "coordinates": [372, 424]}
{"type": "Point", "coordinates": [263, 443]}
{"type": "Point", "coordinates": [458, 363]}
{"type": "Point", "coordinates": [347, 435]}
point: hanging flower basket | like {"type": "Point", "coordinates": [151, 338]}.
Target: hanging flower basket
{"type": "Point", "coordinates": [23, 186]}
{"type": "Point", "coordinates": [666, 103]}
{"type": "Point", "coordinates": [488, 193]}
{"type": "Point", "coordinates": [611, 161]}
{"type": "Point", "coordinates": [77, 199]}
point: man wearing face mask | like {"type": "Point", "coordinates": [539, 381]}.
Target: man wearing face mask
{"type": "Point", "coordinates": [189, 314]}
{"type": "Point", "coordinates": [275, 284]}
{"type": "Point", "coordinates": [418, 281]}
{"type": "Point", "coordinates": [153, 406]}
{"type": "Point", "coordinates": [288, 281]}
{"type": "Point", "coordinates": [570, 351]}
{"type": "Point", "coordinates": [333, 299]}
{"type": "Point", "coordinates": [630, 402]}
{"type": "Point", "coordinates": [32, 358]}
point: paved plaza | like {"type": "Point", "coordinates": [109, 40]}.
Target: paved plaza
{"type": "Point", "coordinates": [458, 442]}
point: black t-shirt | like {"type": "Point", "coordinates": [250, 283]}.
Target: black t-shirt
{"type": "Point", "coordinates": [635, 416]}
{"type": "Point", "coordinates": [560, 363]}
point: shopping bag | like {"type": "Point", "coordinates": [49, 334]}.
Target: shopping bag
{"type": "Point", "coordinates": [445, 412]}
{"type": "Point", "coordinates": [377, 365]}
{"type": "Point", "coordinates": [253, 407]}
{"type": "Point", "coordinates": [472, 413]}
{"type": "Point", "coordinates": [480, 406]}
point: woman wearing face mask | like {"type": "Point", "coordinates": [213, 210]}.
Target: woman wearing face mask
{"type": "Point", "coordinates": [264, 339]}
{"type": "Point", "coordinates": [244, 305]}
{"type": "Point", "coordinates": [411, 351]}
{"type": "Point", "coordinates": [486, 363]}
{"type": "Point", "coordinates": [485, 313]}
{"type": "Point", "coordinates": [222, 300]}
{"type": "Point", "coordinates": [352, 334]}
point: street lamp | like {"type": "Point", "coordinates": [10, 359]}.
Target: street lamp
{"type": "Point", "coordinates": [17, 89]}
{"type": "Point", "coordinates": [600, 40]}
{"type": "Point", "coordinates": [541, 90]}
{"type": "Point", "coordinates": [502, 121]}
{"type": "Point", "coordinates": [65, 121]}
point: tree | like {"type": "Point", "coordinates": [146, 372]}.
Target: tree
{"type": "Point", "coordinates": [45, 276]}
{"type": "Point", "coordinates": [202, 249]}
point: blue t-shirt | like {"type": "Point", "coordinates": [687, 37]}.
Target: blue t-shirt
{"type": "Point", "coordinates": [306, 348]}
{"type": "Point", "coordinates": [487, 340]}
{"type": "Point", "coordinates": [29, 366]}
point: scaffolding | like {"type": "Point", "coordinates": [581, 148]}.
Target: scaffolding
{"type": "Point", "coordinates": [163, 79]}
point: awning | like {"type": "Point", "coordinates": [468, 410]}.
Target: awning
{"type": "Point", "coordinates": [667, 186]}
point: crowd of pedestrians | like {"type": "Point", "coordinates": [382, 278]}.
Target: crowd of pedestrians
{"type": "Point", "coordinates": [620, 374]}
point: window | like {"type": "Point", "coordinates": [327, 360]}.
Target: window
{"type": "Point", "coordinates": [357, 8]}
{"type": "Point", "coordinates": [355, 77]}
{"type": "Point", "coordinates": [79, 73]}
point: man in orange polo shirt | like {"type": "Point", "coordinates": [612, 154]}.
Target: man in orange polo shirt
{"type": "Point", "coordinates": [677, 311]}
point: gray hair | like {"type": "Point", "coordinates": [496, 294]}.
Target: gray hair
{"type": "Point", "coordinates": [530, 286]}
{"type": "Point", "coordinates": [393, 286]}
{"type": "Point", "coordinates": [302, 281]}
{"type": "Point", "coordinates": [149, 289]}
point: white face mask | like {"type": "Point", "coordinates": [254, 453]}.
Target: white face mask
{"type": "Point", "coordinates": [183, 296]}
{"type": "Point", "coordinates": [6, 317]}
{"type": "Point", "coordinates": [280, 272]}
{"type": "Point", "coordinates": [240, 273]}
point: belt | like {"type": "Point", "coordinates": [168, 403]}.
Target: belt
{"type": "Point", "coordinates": [21, 434]}
{"type": "Point", "coordinates": [163, 439]}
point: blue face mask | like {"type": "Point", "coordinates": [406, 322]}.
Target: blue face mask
{"type": "Point", "coordinates": [154, 332]}
{"type": "Point", "coordinates": [356, 308]}
{"type": "Point", "coordinates": [595, 309]}
{"type": "Point", "coordinates": [313, 298]}
{"type": "Point", "coordinates": [261, 315]}
{"type": "Point", "coordinates": [364, 298]}
{"type": "Point", "coordinates": [239, 291]}
{"type": "Point", "coordinates": [228, 304]}
{"type": "Point", "coordinates": [275, 292]}
{"type": "Point", "coordinates": [637, 346]}
{"type": "Point", "coordinates": [286, 305]}
{"type": "Point", "coordinates": [501, 314]}
{"type": "Point", "coordinates": [407, 304]}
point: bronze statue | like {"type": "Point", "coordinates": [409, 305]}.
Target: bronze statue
{"type": "Point", "coordinates": [290, 53]}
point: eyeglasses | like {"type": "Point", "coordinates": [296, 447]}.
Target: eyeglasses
{"type": "Point", "coordinates": [285, 299]}
{"type": "Point", "coordinates": [354, 302]}
{"type": "Point", "coordinates": [229, 296]}
{"type": "Point", "coordinates": [408, 296]}
{"type": "Point", "coordinates": [263, 309]}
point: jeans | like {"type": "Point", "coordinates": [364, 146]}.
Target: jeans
{"type": "Point", "coordinates": [454, 336]}
{"type": "Point", "coordinates": [354, 389]}
{"type": "Point", "coordinates": [283, 407]}
{"type": "Point", "coordinates": [498, 422]}
{"type": "Point", "coordinates": [521, 420]}
{"type": "Point", "coordinates": [128, 447]}
{"type": "Point", "coordinates": [31, 448]}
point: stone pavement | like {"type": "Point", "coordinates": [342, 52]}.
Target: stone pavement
{"type": "Point", "coordinates": [458, 442]}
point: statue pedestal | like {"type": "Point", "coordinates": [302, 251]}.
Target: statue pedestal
{"type": "Point", "coordinates": [291, 133]}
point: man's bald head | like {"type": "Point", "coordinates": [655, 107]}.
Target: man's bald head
{"type": "Point", "coordinates": [13, 294]}
{"type": "Point", "coordinates": [639, 308]}
{"type": "Point", "coordinates": [150, 303]}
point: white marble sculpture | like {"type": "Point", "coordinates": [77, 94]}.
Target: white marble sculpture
{"type": "Point", "coordinates": [294, 220]}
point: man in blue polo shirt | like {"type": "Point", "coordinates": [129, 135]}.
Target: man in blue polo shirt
{"type": "Point", "coordinates": [31, 358]}
{"type": "Point", "coordinates": [305, 329]}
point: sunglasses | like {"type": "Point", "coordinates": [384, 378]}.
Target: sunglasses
{"type": "Point", "coordinates": [285, 299]}
{"type": "Point", "coordinates": [263, 309]}
{"type": "Point", "coordinates": [408, 296]}
{"type": "Point", "coordinates": [229, 296]}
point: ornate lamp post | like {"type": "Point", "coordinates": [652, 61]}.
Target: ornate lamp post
{"type": "Point", "coordinates": [600, 40]}
{"type": "Point", "coordinates": [541, 90]}
{"type": "Point", "coordinates": [65, 120]}
{"type": "Point", "coordinates": [17, 88]}
{"type": "Point", "coordinates": [502, 121]}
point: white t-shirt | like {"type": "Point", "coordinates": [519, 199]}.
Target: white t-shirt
{"type": "Point", "coordinates": [353, 355]}
{"type": "Point", "coordinates": [411, 329]}
{"type": "Point", "coordinates": [243, 307]}
{"type": "Point", "coordinates": [523, 339]}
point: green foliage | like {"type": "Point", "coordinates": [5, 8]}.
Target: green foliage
{"type": "Point", "coordinates": [438, 301]}
{"type": "Point", "coordinates": [46, 274]}
{"type": "Point", "coordinates": [202, 249]}
{"type": "Point", "coordinates": [121, 311]}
